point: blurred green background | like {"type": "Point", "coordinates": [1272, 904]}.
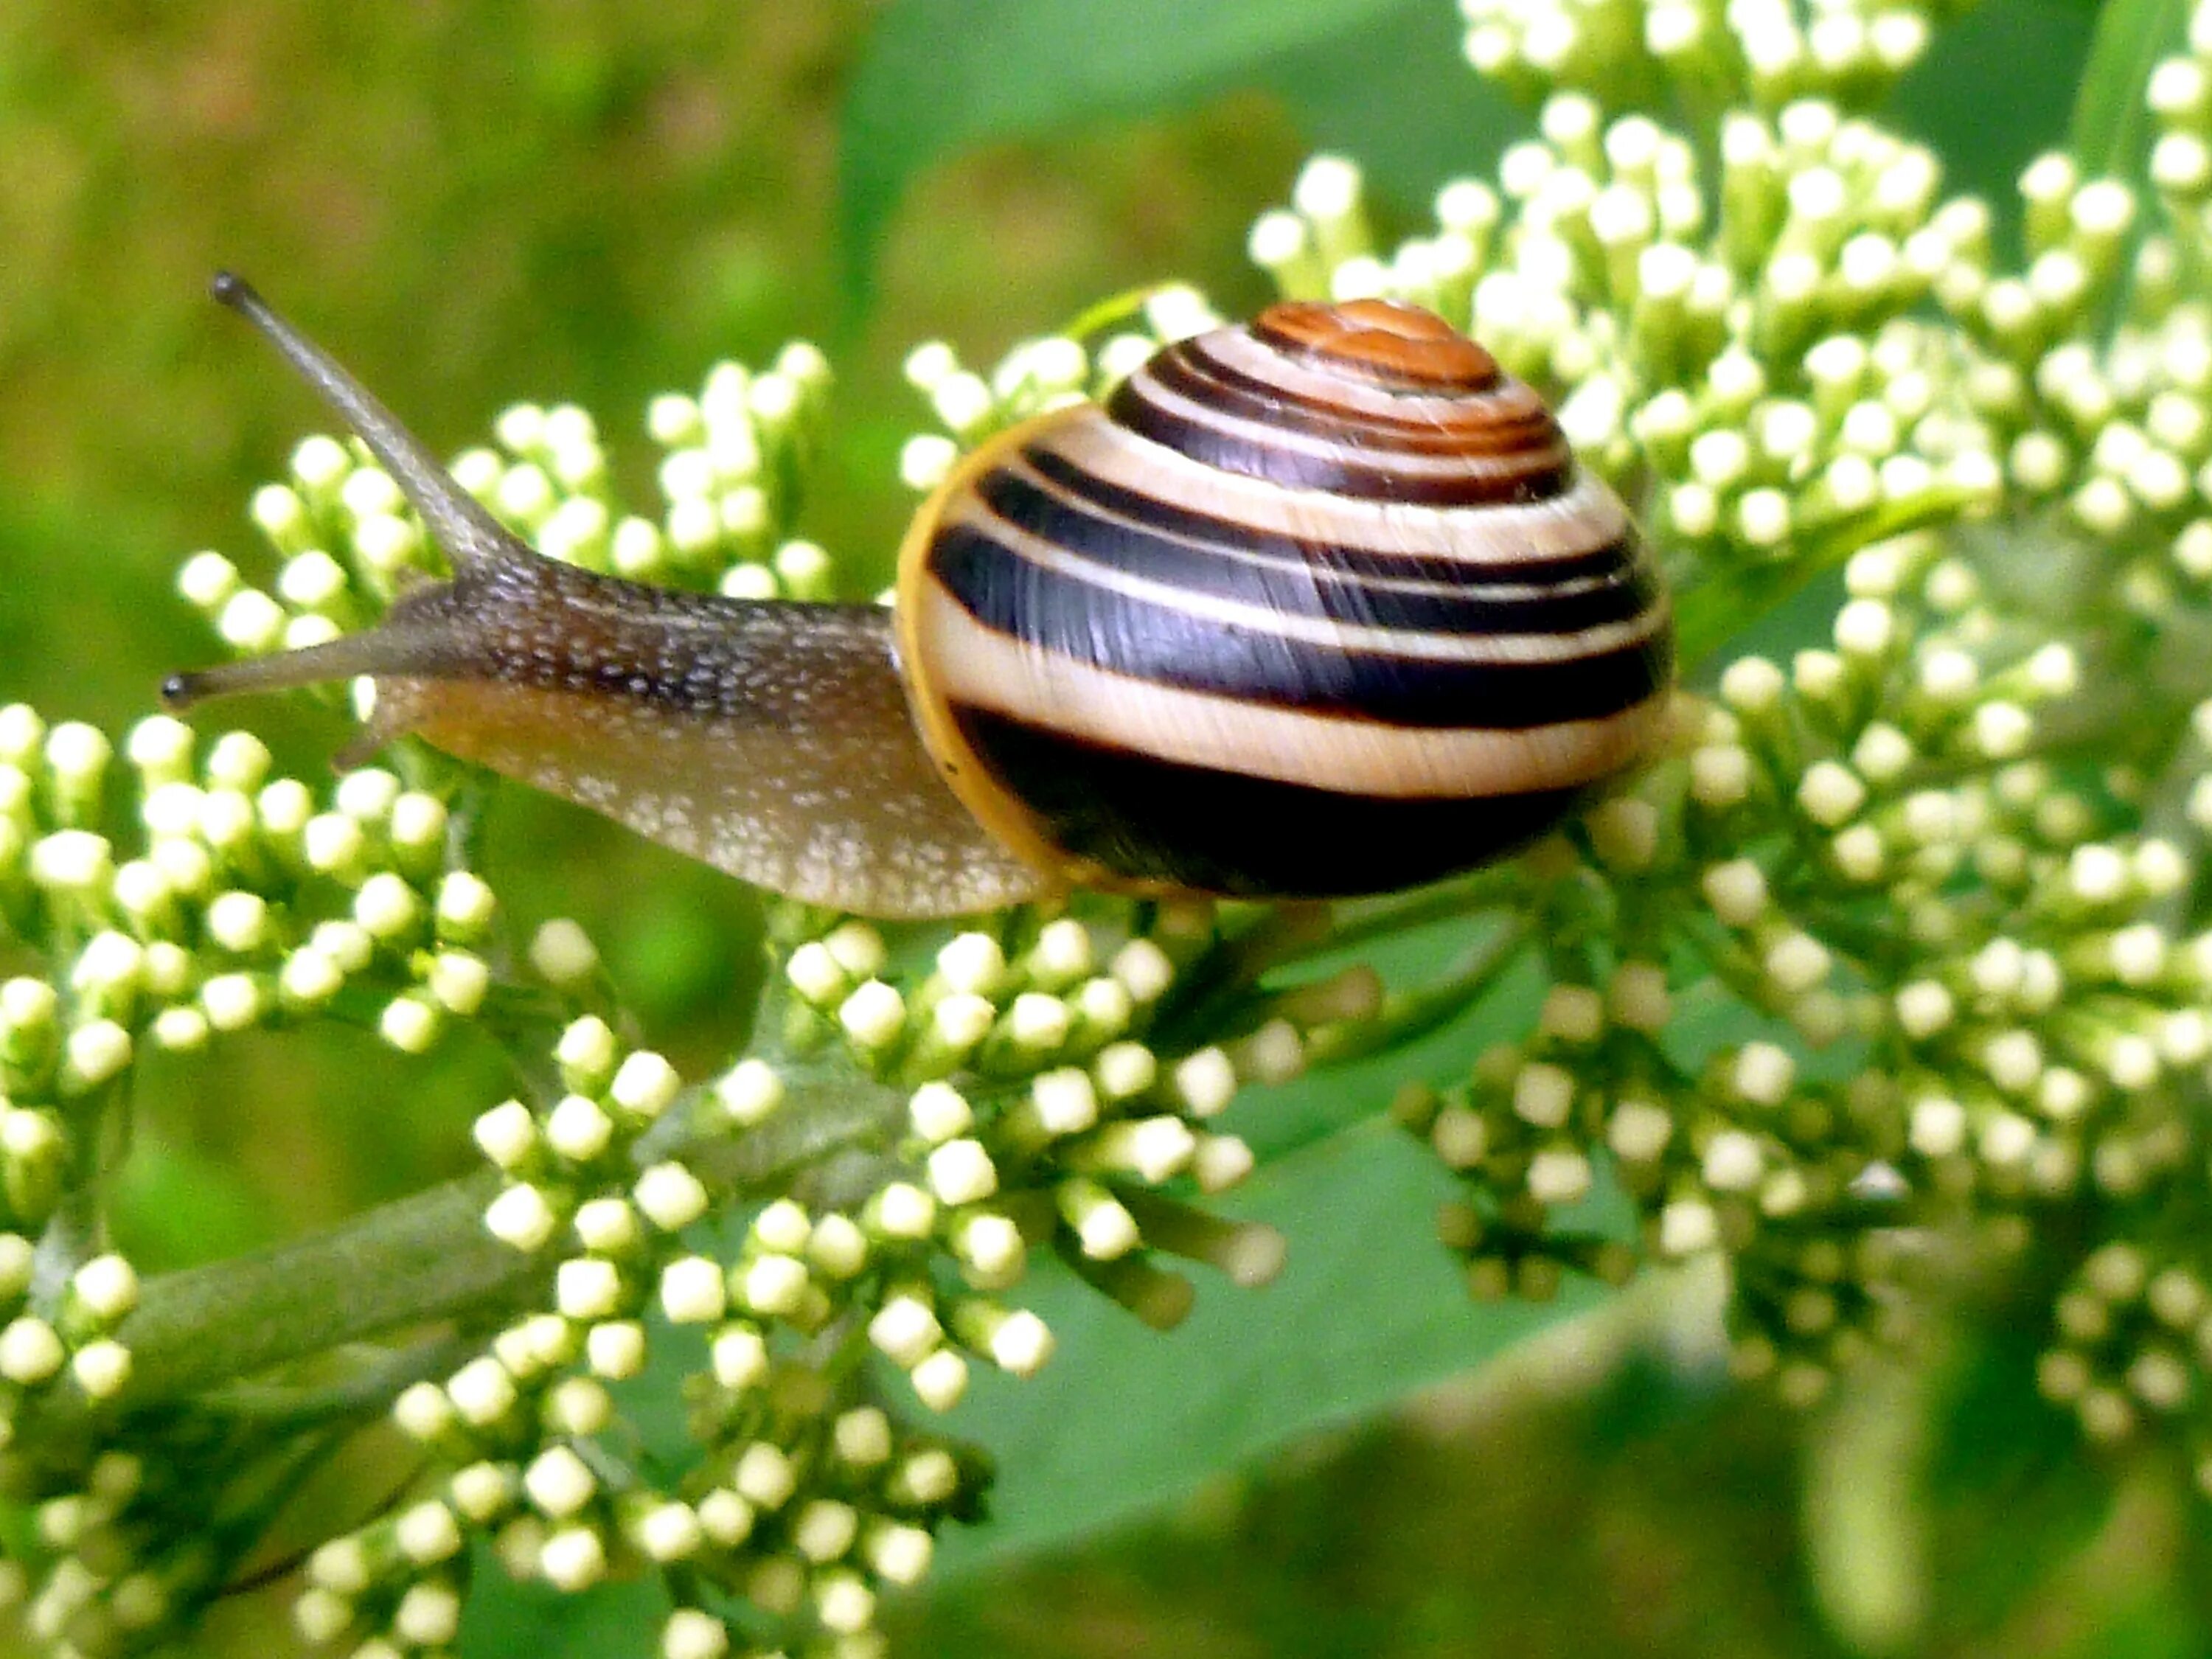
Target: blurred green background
{"type": "Point", "coordinates": [480, 201]}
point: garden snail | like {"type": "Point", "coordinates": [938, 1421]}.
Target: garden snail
{"type": "Point", "coordinates": [1317, 606]}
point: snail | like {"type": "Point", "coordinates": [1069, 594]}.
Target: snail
{"type": "Point", "coordinates": [1318, 606]}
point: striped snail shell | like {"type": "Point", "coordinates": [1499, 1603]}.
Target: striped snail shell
{"type": "Point", "coordinates": [1320, 605]}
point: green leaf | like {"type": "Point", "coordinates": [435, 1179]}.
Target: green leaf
{"type": "Point", "coordinates": [1992, 93]}
{"type": "Point", "coordinates": [2111, 127]}
{"type": "Point", "coordinates": [1125, 1420]}
{"type": "Point", "coordinates": [502, 1619]}
{"type": "Point", "coordinates": [1397, 96]}
{"type": "Point", "coordinates": [941, 76]}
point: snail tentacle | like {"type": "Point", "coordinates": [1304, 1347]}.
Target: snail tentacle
{"type": "Point", "coordinates": [456, 519]}
{"type": "Point", "coordinates": [769, 739]}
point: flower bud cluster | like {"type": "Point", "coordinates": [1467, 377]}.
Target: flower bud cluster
{"type": "Point", "coordinates": [100, 1565]}
{"type": "Point", "coordinates": [1745, 354]}
{"type": "Point", "coordinates": [61, 1337]}
{"type": "Point", "coordinates": [1036, 376]}
{"type": "Point", "coordinates": [1761, 52]}
{"type": "Point", "coordinates": [2179, 95]}
{"type": "Point", "coordinates": [739, 453]}
{"type": "Point", "coordinates": [1035, 1109]}
{"type": "Point", "coordinates": [806, 1502]}
{"type": "Point", "coordinates": [1975, 1005]}
{"type": "Point", "coordinates": [2132, 1348]}
{"type": "Point", "coordinates": [2094, 376]}
{"type": "Point", "coordinates": [1046, 1109]}
{"type": "Point", "coordinates": [241, 900]}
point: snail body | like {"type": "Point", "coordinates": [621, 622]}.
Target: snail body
{"type": "Point", "coordinates": [1318, 606]}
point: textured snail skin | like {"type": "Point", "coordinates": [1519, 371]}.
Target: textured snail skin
{"type": "Point", "coordinates": [1318, 606]}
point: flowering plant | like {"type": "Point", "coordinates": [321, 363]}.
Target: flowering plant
{"type": "Point", "coordinates": [1886, 984]}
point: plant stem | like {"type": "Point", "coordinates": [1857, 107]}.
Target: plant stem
{"type": "Point", "coordinates": [417, 1260]}
{"type": "Point", "coordinates": [420, 1258]}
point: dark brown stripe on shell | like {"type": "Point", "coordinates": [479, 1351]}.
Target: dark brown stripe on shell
{"type": "Point", "coordinates": [1225, 569]}
{"type": "Point", "coordinates": [1335, 468]}
{"type": "Point", "coordinates": [1217, 831]}
{"type": "Point", "coordinates": [1602, 560]}
{"type": "Point", "coordinates": [1052, 610]}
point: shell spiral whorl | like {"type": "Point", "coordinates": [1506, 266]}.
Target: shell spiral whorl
{"type": "Point", "coordinates": [1319, 606]}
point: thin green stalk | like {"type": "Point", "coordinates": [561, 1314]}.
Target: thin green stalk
{"type": "Point", "coordinates": [1409, 1016]}
{"type": "Point", "coordinates": [418, 1260]}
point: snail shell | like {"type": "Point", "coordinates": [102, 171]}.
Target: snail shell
{"type": "Point", "coordinates": [1320, 605]}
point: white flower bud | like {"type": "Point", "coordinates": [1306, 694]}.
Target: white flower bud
{"type": "Point", "coordinates": [938, 1113]}
{"type": "Point", "coordinates": [874, 1015]}
{"type": "Point", "coordinates": [559, 1482]}
{"type": "Point", "coordinates": [773, 1285]}
{"type": "Point", "coordinates": [2014, 1061]}
{"type": "Point", "coordinates": [1736, 891]}
{"type": "Point", "coordinates": [1797, 963]}
{"type": "Point", "coordinates": [1064, 1101]}
{"type": "Point", "coordinates": [427, 1533]}
{"type": "Point", "coordinates": [691, 1290]}
{"type": "Point", "coordinates": [579, 1128]}
{"type": "Point", "coordinates": [905, 1211]}
{"type": "Point", "coordinates": [837, 1247]}
{"type": "Point", "coordinates": [726, 1518]}
{"type": "Point", "coordinates": [857, 949]}
{"type": "Point", "coordinates": [750, 1092]}
{"type": "Point", "coordinates": [507, 1134]}
{"type": "Point", "coordinates": [573, 1559]}
{"type": "Point", "coordinates": [940, 1380]}
{"type": "Point", "coordinates": [740, 1357]}
{"type": "Point", "coordinates": [522, 1217]}
{"type": "Point", "coordinates": [1829, 793]}
{"type": "Point", "coordinates": [1103, 1228]}
{"type": "Point", "coordinates": [1143, 969]}
{"type": "Point", "coordinates": [645, 1085]}
{"type": "Point", "coordinates": [1205, 1081]}
{"type": "Point", "coordinates": [1719, 775]}
{"type": "Point", "coordinates": [1751, 685]}
{"type": "Point", "coordinates": [763, 1476]}
{"type": "Point", "coordinates": [614, 1348]}
{"type": "Point", "coordinates": [1924, 1008]}
{"type": "Point", "coordinates": [961, 1172]}
{"type": "Point", "coordinates": [2097, 874]}
{"type": "Point", "coordinates": [563, 951]}
{"type": "Point", "coordinates": [900, 1554]}
{"type": "Point", "coordinates": [972, 962]}
{"type": "Point", "coordinates": [101, 1368]}
{"type": "Point", "coordinates": [1543, 1094]}
{"type": "Point", "coordinates": [1733, 1162]}
{"type": "Point", "coordinates": [670, 1196]}
{"type": "Point", "coordinates": [459, 981]}
{"type": "Point", "coordinates": [1687, 1227]}
{"type": "Point", "coordinates": [1559, 1176]}
{"type": "Point", "coordinates": [669, 1532]}
{"type": "Point", "coordinates": [586, 1288]}
{"type": "Point", "coordinates": [1220, 1162]}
